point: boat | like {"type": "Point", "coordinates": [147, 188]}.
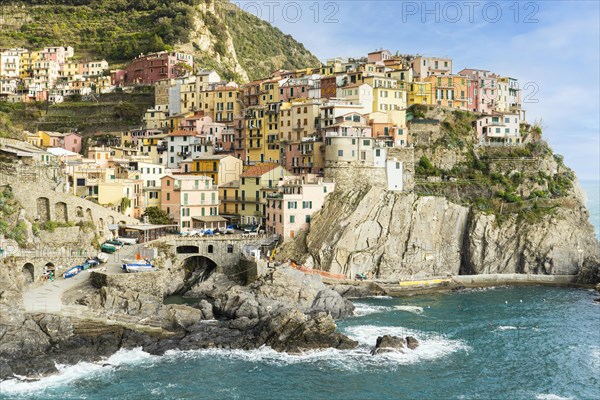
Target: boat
{"type": "Point", "coordinates": [102, 257]}
{"type": "Point", "coordinates": [73, 271]}
{"type": "Point", "coordinates": [127, 240]}
{"type": "Point", "coordinates": [138, 266]}
{"type": "Point", "coordinates": [89, 264]}
{"type": "Point", "coordinates": [107, 248]}
{"type": "Point", "coordinates": [116, 243]}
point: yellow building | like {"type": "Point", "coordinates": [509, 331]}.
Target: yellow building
{"type": "Point", "coordinates": [229, 195]}
{"type": "Point", "coordinates": [154, 147]}
{"type": "Point", "coordinates": [269, 92]}
{"type": "Point", "coordinates": [221, 168]}
{"type": "Point", "coordinates": [420, 93]}
{"type": "Point", "coordinates": [34, 139]}
{"type": "Point", "coordinates": [221, 104]}
{"type": "Point", "coordinates": [188, 99]}
{"type": "Point", "coordinates": [174, 120]}
{"type": "Point", "coordinates": [449, 90]}
{"type": "Point", "coordinates": [255, 182]}
{"type": "Point", "coordinates": [255, 138]}
{"type": "Point", "coordinates": [27, 60]}
{"type": "Point", "coordinates": [111, 194]}
{"type": "Point", "coordinates": [70, 69]}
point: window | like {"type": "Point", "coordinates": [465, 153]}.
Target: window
{"type": "Point", "coordinates": [292, 219]}
{"type": "Point", "coordinates": [340, 153]}
{"type": "Point", "coordinates": [307, 219]}
{"type": "Point", "coordinates": [168, 196]}
{"type": "Point", "coordinates": [230, 248]}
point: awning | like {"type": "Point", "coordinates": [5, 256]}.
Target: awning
{"type": "Point", "coordinates": [210, 218]}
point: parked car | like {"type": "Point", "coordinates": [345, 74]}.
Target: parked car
{"type": "Point", "coordinates": [250, 229]}
{"type": "Point", "coordinates": [230, 229]}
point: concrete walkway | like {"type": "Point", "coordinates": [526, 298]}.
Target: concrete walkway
{"type": "Point", "coordinates": [47, 298]}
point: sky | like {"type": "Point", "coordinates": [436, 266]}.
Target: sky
{"type": "Point", "coordinates": [551, 47]}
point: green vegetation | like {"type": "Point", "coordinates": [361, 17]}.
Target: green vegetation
{"type": "Point", "coordinates": [496, 180]}
{"type": "Point", "coordinates": [111, 112]}
{"type": "Point", "coordinates": [119, 30]}
{"type": "Point", "coordinates": [260, 47]}
{"type": "Point", "coordinates": [51, 226]}
{"type": "Point", "coordinates": [125, 203]}
{"type": "Point", "coordinates": [157, 216]}
{"type": "Point", "coordinates": [16, 230]}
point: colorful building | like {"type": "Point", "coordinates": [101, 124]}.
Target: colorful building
{"type": "Point", "coordinates": [189, 197]}
{"type": "Point", "coordinates": [290, 208]}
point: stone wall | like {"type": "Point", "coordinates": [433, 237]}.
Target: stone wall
{"type": "Point", "coordinates": [349, 175]}
{"type": "Point", "coordinates": [149, 283]}
{"type": "Point", "coordinates": [47, 205]}
{"type": "Point", "coordinates": [424, 132]}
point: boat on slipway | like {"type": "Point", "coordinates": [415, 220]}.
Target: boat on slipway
{"type": "Point", "coordinates": [138, 266]}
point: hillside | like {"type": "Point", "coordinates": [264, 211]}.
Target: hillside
{"type": "Point", "coordinates": [219, 34]}
{"type": "Point", "coordinates": [109, 113]}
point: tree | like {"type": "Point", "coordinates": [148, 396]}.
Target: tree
{"type": "Point", "coordinates": [157, 216]}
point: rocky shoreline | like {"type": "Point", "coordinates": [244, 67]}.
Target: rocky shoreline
{"type": "Point", "coordinates": [291, 313]}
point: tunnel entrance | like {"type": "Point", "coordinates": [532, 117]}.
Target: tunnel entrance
{"type": "Point", "coordinates": [197, 269]}
{"type": "Point", "coordinates": [28, 272]}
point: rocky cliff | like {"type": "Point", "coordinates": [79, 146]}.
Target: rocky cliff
{"type": "Point", "coordinates": [473, 210]}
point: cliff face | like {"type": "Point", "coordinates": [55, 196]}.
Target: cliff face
{"type": "Point", "coordinates": [473, 210]}
{"type": "Point", "coordinates": [393, 235]}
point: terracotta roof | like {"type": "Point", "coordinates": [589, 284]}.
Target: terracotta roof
{"type": "Point", "coordinates": [259, 170]}
{"type": "Point", "coordinates": [225, 88]}
{"type": "Point", "coordinates": [183, 133]}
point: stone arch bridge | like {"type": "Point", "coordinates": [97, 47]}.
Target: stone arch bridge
{"type": "Point", "coordinates": [224, 251]}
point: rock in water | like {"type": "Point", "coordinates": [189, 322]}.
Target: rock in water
{"type": "Point", "coordinates": [388, 344]}
{"type": "Point", "coordinates": [411, 342]}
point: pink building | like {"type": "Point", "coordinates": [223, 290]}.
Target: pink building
{"type": "Point", "coordinates": [72, 142]}
{"type": "Point", "coordinates": [379, 56]}
{"type": "Point", "coordinates": [148, 69]}
{"type": "Point", "coordinates": [192, 201]}
{"type": "Point", "coordinates": [482, 90]}
{"type": "Point", "coordinates": [290, 209]}
{"type": "Point", "coordinates": [290, 155]}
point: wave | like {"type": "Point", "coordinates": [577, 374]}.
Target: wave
{"type": "Point", "coordinates": [71, 373]}
{"type": "Point", "coordinates": [411, 309]}
{"type": "Point", "coordinates": [361, 309]}
{"type": "Point", "coordinates": [381, 297]}
{"type": "Point", "coordinates": [550, 396]}
{"type": "Point", "coordinates": [506, 328]}
{"type": "Point", "coordinates": [431, 345]}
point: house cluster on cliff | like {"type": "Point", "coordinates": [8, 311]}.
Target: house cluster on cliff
{"type": "Point", "coordinates": [267, 152]}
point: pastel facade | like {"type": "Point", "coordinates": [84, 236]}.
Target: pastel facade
{"type": "Point", "coordinates": [499, 128]}
{"type": "Point", "coordinates": [185, 197]}
{"type": "Point", "coordinates": [427, 66]}
{"type": "Point", "coordinates": [289, 210]}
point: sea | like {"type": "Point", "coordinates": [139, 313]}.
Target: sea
{"type": "Point", "coordinates": [536, 343]}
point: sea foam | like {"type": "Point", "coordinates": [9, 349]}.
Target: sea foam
{"type": "Point", "coordinates": [68, 374]}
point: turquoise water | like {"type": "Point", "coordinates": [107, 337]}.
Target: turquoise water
{"type": "Point", "coordinates": [500, 343]}
{"type": "Point", "coordinates": [592, 189]}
